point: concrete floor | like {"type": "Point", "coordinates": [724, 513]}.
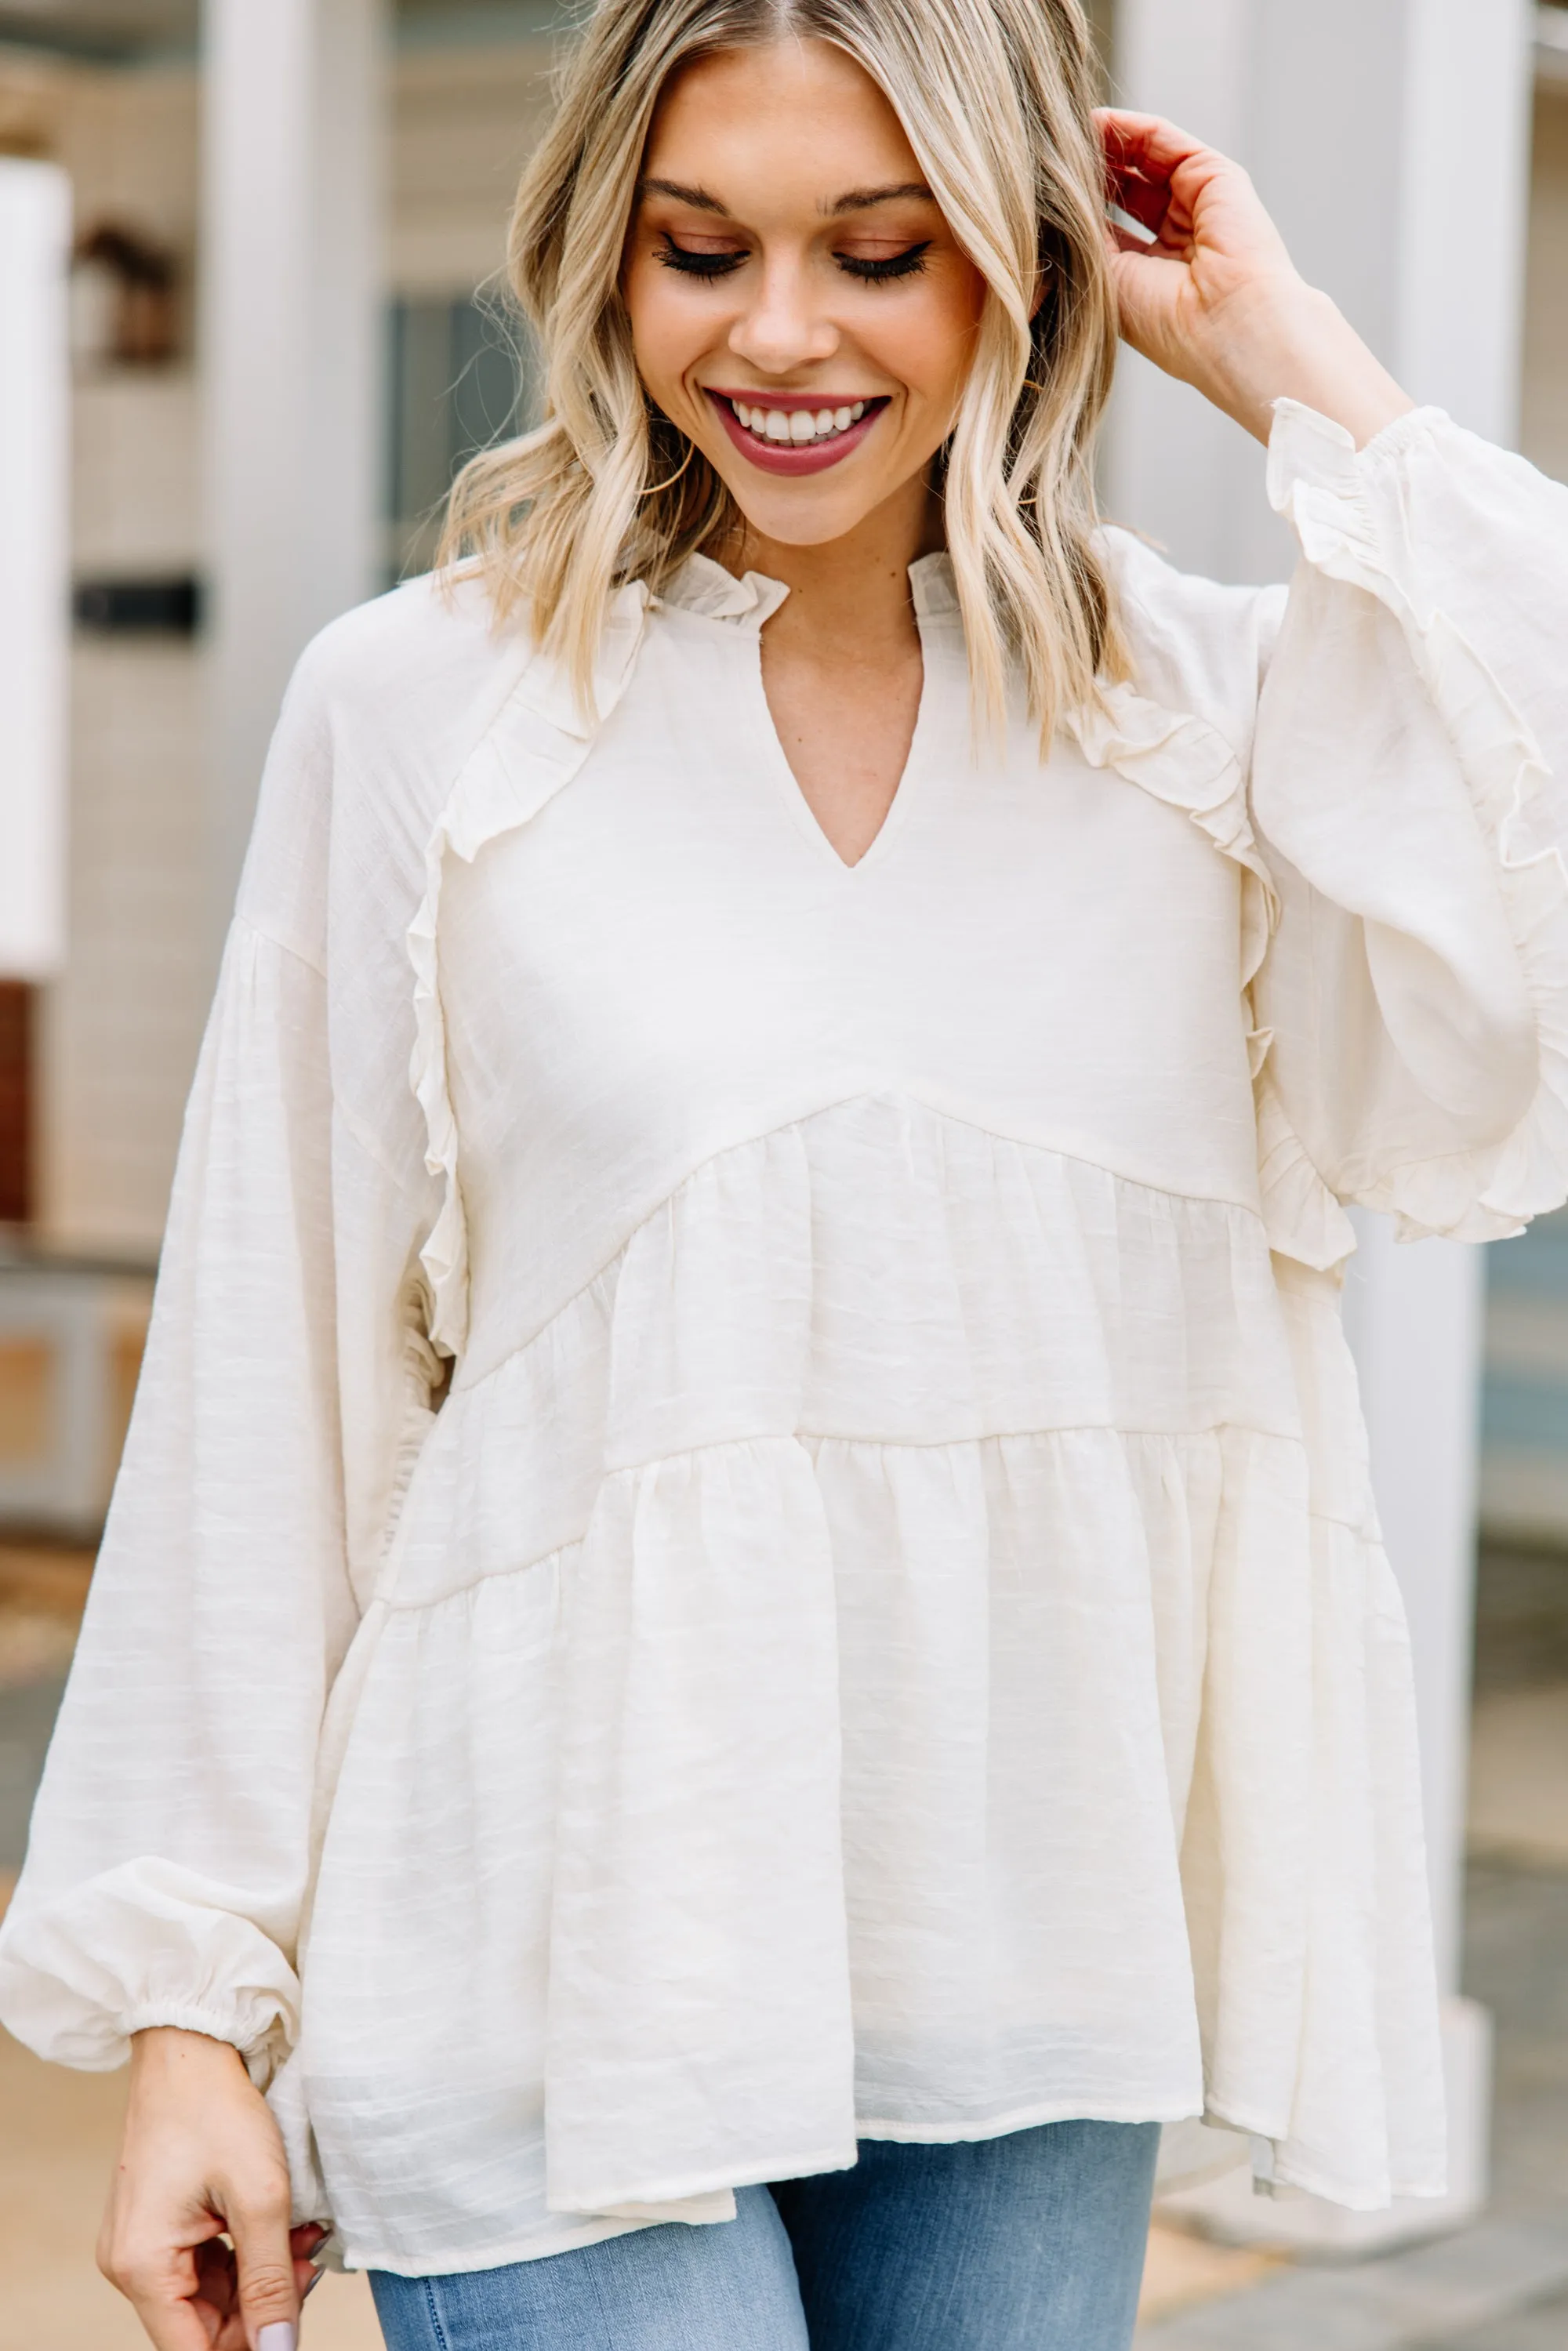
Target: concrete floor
{"type": "Point", "coordinates": [1502, 2285]}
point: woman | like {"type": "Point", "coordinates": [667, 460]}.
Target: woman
{"type": "Point", "coordinates": [743, 1637]}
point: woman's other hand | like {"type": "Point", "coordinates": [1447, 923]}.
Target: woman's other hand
{"type": "Point", "coordinates": [202, 2157]}
{"type": "Point", "coordinates": [1216, 300]}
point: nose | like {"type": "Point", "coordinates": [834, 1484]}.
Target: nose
{"type": "Point", "coordinates": [784, 327]}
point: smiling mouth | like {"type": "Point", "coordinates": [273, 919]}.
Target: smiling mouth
{"type": "Point", "coordinates": [793, 432]}
{"type": "Point", "coordinates": [800, 428]}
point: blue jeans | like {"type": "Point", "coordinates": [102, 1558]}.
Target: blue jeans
{"type": "Point", "coordinates": [1033, 2241]}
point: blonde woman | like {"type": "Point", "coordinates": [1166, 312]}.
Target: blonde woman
{"type": "Point", "coordinates": [744, 1637]}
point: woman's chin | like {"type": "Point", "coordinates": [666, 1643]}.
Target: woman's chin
{"type": "Point", "coordinates": [808, 513]}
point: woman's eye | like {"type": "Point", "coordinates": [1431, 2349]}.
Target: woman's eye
{"type": "Point", "coordinates": [697, 265]}
{"type": "Point", "coordinates": [907, 264]}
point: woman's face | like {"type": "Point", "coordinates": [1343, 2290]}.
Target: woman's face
{"type": "Point", "coordinates": [800, 307]}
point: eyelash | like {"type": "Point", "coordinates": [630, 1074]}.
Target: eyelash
{"type": "Point", "coordinates": [908, 263]}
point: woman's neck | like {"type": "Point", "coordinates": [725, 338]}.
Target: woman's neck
{"type": "Point", "coordinates": [849, 602]}
{"type": "Point", "coordinates": [842, 663]}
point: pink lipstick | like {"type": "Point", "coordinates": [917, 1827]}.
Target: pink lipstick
{"type": "Point", "coordinates": [829, 428]}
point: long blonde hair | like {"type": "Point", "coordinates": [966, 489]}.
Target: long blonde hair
{"type": "Point", "coordinates": [995, 97]}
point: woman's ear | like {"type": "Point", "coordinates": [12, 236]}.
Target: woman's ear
{"type": "Point", "coordinates": [1042, 287]}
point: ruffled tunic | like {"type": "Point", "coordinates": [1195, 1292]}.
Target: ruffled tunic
{"type": "Point", "coordinates": [780, 1549]}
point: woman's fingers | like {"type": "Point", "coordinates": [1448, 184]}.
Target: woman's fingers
{"type": "Point", "coordinates": [1161, 176]}
{"type": "Point", "coordinates": [1202, 210]}
{"type": "Point", "coordinates": [1157, 176]}
{"type": "Point", "coordinates": [188, 2301]}
{"type": "Point", "coordinates": [304, 2244]}
{"type": "Point", "coordinates": [1145, 143]}
{"type": "Point", "coordinates": [162, 2292]}
{"type": "Point", "coordinates": [1146, 200]}
{"type": "Point", "coordinates": [263, 2257]}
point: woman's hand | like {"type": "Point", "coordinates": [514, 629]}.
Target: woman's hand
{"type": "Point", "coordinates": [202, 2157]}
{"type": "Point", "coordinates": [1215, 301]}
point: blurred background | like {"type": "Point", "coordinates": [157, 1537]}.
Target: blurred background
{"type": "Point", "coordinates": [250, 321]}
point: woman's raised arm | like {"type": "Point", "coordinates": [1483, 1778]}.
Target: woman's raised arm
{"type": "Point", "coordinates": [1409, 746]}
{"type": "Point", "coordinates": [1215, 299]}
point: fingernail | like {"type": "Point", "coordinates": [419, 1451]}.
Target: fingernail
{"type": "Point", "coordinates": [284, 2336]}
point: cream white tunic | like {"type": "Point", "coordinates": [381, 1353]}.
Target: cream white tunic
{"type": "Point", "coordinates": [886, 1632]}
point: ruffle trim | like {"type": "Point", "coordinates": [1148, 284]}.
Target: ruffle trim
{"type": "Point", "coordinates": [700, 585]}
{"type": "Point", "coordinates": [704, 587]}
{"type": "Point", "coordinates": [1303, 1218]}
{"type": "Point", "coordinates": [1189, 764]}
{"type": "Point", "coordinates": [1324, 487]}
{"type": "Point", "coordinates": [535, 746]}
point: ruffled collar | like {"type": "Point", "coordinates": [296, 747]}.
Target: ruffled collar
{"type": "Point", "coordinates": [705, 587]}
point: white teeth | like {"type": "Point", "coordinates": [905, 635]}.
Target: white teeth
{"type": "Point", "coordinates": [797, 425]}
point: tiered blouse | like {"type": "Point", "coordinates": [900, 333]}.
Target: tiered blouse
{"type": "Point", "coordinates": [779, 1548]}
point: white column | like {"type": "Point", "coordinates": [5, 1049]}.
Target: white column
{"type": "Point", "coordinates": [1414, 1316]}
{"type": "Point", "coordinates": [293, 139]}
{"type": "Point", "coordinates": [1390, 139]}
{"type": "Point", "coordinates": [34, 596]}
{"type": "Point", "coordinates": [1173, 465]}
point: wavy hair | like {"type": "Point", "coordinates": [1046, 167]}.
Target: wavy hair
{"type": "Point", "coordinates": [996, 98]}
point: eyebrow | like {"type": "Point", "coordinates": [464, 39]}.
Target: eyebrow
{"type": "Point", "coordinates": [857, 200]}
{"type": "Point", "coordinates": [699, 198]}
{"type": "Point", "coordinates": [860, 200]}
